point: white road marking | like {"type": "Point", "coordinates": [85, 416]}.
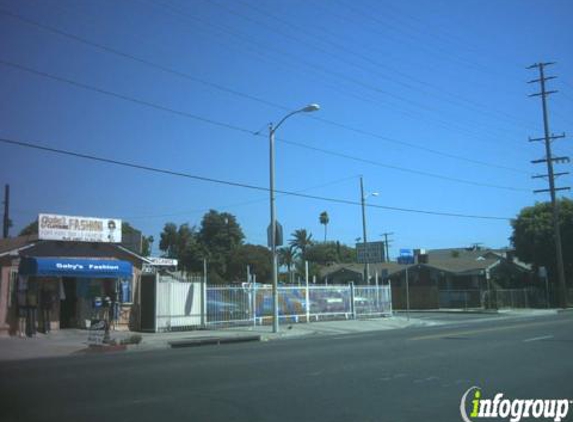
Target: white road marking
{"type": "Point", "coordinates": [537, 338]}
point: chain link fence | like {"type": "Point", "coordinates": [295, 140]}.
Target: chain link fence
{"type": "Point", "coordinates": [495, 299]}
{"type": "Point", "coordinates": [461, 299]}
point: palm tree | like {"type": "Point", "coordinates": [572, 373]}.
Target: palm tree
{"type": "Point", "coordinates": [324, 219]}
{"type": "Point", "coordinates": [287, 257]}
{"type": "Point", "coordinates": [301, 240]}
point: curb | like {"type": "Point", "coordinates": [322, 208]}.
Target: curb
{"type": "Point", "coordinates": [560, 311]}
{"type": "Point", "coordinates": [101, 349]}
{"type": "Point", "coordinates": [449, 311]}
{"type": "Point", "coordinates": [205, 341]}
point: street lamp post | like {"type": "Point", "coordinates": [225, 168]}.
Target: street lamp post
{"type": "Point", "coordinates": [272, 131]}
{"type": "Point", "coordinates": [363, 202]}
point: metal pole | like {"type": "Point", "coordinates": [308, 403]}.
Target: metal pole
{"type": "Point", "coordinates": [407, 295]}
{"type": "Point", "coordinates": [364, 238]}
{"type": "Point", "coordinates": [307, 293]}
{"type": "Point", "coordinates": [377, 291]}
{"type": "Point", "coordinates": [274, 232]}
{"type": "Point", "coordinates": [204, 295]}
{"type": "Point", "coordinates": [487, 278]}
{"type": "Point", "coordinates": [352, 303]}
{"type": "Point", "coordinates": [547, 290]}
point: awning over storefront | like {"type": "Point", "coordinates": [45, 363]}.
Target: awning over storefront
{"type": "Point", "coordinates": [75, 267]}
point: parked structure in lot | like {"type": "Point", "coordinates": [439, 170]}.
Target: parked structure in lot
{"type": "Point", "coordinates": [448, 278]}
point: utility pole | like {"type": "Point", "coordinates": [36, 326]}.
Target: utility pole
{"type": "Point", "coordinates": [551, 175]}
{"type": "Point", "coordinates": [6, 221]}
{"type": "Point", "coordinates": [386, 243]}
{"type": "Point", "coordinates": [364, 238]}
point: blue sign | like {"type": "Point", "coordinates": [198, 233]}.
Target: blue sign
{"type": "Point", "coordinates": [75, 267]}
{"type": "Point", "coordinates": [406, 257]}
{"type": "Point", "coordinates": [406, 252]}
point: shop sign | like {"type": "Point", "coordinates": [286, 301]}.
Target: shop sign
{"type": "Point", "coordinates": [96, 332]}
{"type": "Point", "coordinates": [79, 229]}
{"type": "Point", "coordinates": [162, 262]}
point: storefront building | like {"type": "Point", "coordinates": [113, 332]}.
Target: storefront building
{"type": "Point", "coordinates": [57, 284]}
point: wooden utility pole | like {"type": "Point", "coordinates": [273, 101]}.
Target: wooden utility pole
{"type": "Point", "coordinates": [6, 222]}
{"type": "Point", "coordinates": [549, 159]}
{"type": "Point", "coordinates": [386, 244]}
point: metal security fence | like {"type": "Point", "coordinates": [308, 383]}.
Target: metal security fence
{"type": "Point", "coordinates": [372, 300]}
{"type": "Point", "coordinates": [512, 298]}
{"type": "Point", "coordinates": [496, 298]}
{"type": "Point", "coordinates": [181, 304]}
{"type": "Point", "coordinates": [229, 305]}
{"type": "Point", "coordinates": [253, 304]}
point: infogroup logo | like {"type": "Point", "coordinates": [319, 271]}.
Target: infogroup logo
{"type": "Point", "coordinates": [514, 409]}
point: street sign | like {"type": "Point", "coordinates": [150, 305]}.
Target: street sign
{"type": "Point", "coordinates": [278, 235]}
{"type": "Point", "coordinates": [406, 257]}
{"type": "Point", "coordinates": [370, 252]}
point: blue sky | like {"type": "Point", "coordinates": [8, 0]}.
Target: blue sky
{"type": "Point", "coordinates": [419, 91]}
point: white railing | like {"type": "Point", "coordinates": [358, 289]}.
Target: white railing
{"type": "Point", "coordinates": [184, 305]}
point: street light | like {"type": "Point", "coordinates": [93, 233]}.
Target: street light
{"type": "Point", "coordinates": [363, 202]}
{"type": "Point", "coordinates": [272, 129]}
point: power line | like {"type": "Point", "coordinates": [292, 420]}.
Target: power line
{"type": "Point", "coordinates": [368, 59]}
{"type": "Point", "coordinates": [236, 204]}
{"type": "Point", "coordinates": [235, 184]}
{"type": "Point", "coordinates": [248, 131]}
{"type": "Point", "coordinates": [314, 67]}
{"type": "Point", "coordinates": [245, 95]}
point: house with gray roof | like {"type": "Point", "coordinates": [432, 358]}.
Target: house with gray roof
{"type": "Point", "coordinates": [435, 279]}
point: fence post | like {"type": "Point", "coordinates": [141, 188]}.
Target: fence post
{"type": "Point", "coordinates": [352, 307]}
{"type": "Point", "coordinates": [204, 295]}
{"type": "Point", "coordinates": [388, 297]}
{"type": "Point", "coordinates": [511, 296]}
{"type": "Point", "coordinates": [306, 294]}
{"type": "Point", "coordinates": [254, 302]}
{"type": "Point", "coordinates": [407, 295]}
{"type": "Point", "coordinates": [525, 292]}
{"type": "Point", "coordinates": [377, 292]}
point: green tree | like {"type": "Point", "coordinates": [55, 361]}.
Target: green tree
{"type": "Point", "coordinates": [168, 240]}
{"type": "Point", "coordinates": [301, 240]}
{"type": "Point", "coordinates": [181, 243]}
{"type": "Point", "coordinates": [219, 235]}
{"type": "Point", "coordinates": [147, 247]}
{"type": "Point", "coordinates": [287, 257]}
{"type": "Point", "coordinates": [533, 237]}
{"type": "Point", "coordinates": [326, 253]}
{"type": "Point", "coordinates": [30, 229]}
{"type": "Point", "coordinates": [324, 219]}
{"type": "Point", "coordinates": [257, 257]}
{"type": "Point", "coordinates": [346, 254]}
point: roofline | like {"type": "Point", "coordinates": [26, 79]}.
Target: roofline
{"type": "Point", "coordinates": [21, 248]}
{"type": "Point", "coordinates": [123, 248]}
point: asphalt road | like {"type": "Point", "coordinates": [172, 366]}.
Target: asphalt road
{"type": "Point", "coordinates": [415, 374]}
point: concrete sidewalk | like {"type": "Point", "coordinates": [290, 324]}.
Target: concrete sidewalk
{"type": "Point", "coordinates": [74, 341]}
